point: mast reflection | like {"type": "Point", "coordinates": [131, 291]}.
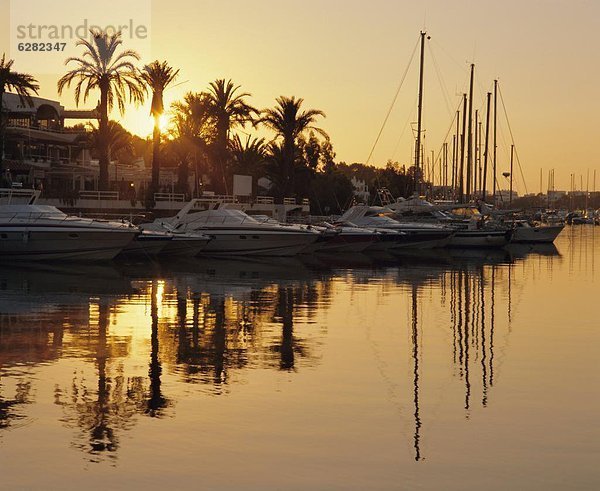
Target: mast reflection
{"type": "Point", "coordinates": [473, 319]}
{"type": "Point", "coordinates": [415, 356]}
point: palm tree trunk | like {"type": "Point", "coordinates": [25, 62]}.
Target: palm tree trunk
{"type": "Point", "coordinates": [155, 155]}
{"type": "Point", "coordinates": [289, 150]}
{"type": "Point", "coordinates": [103, 150]}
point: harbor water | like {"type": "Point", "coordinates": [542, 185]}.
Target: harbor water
{"type": "Point", "coordinates": [444, 369]}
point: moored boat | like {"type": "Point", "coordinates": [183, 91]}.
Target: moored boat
{"type": "Point", "coordinates": [233, 232]}
{"type": "Point", "coordinates": [38, 232]}
{"type": "Point", "coordinates": [525, 232]}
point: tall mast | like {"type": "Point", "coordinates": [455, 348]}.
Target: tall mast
{"type": "Point", "coordinates": [470, 134]}
{"type": "Point", "coordinates": [476, 154]}
{"type": "Point", "coordinates": [512, 149]}
{"type": "Point", "coordinates": [495, 134]}
{"type": "Point", "coordinates": [461, 183]}
{"type": "Point", "coordinates": [455, 157]}
{"type": "Point", "coordinates": [479, 169]}
{"type": "Point", "coordinates": [485, 155]}
{"type": "Point", "coordinates": [446, 170]}
{"type": "Point", "coordinates": [454, 167]}
{"type": "Point", "coordinates": [420, 115]}
{"type": "Point", "coordinates": [432, 172]}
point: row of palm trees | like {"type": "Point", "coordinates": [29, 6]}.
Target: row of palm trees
{"type": "Point", "coordinates": [202, 125]}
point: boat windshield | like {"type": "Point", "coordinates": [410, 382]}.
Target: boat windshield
{"type": "Point", "coordinates": [30, 212]}
{"type": "Point", "coordinates": [223, 216]}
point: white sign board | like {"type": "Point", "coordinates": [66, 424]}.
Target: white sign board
{"type": "Point", "coordinates": [242, 185]}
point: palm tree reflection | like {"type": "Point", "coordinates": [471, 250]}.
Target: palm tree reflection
{"type": "Point", "coordinates": [155, 402]}
{"type": "Point", "coordinates": [9, 408]}
{"type": "Point", "coordinates": [100, 416]}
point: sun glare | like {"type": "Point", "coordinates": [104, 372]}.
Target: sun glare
{"type": "Point", "coordinates": [163, 123]}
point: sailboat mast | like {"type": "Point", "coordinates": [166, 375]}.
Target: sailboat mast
{"type": "Point", "coordinates": [470, 134]}
{"type": "Point", "coordinates": [446, 170]}
{"type": "Point", "coordinates": [487, 139]}
{"type": "Point", "coordinates": [462, 151]}
{"type": "Point", "coordinates": [455, 157]}
{"type": "Point", "coordinates": [495, 134]}
{"type": "Point", "coordinates": [479, 168]}
{"type": "Point", "coordinates": [476, 136]}
{"type": "Point", "coordinates": [454, 160]}
{"type": "Point", "coordinates": [420, 117]}
{"type": "Point", "coordinates": [510, 196]}
{"type": "Point", "coordinates": [432, 171]}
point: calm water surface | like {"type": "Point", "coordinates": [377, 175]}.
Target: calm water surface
{"type": "Point", "coordinates": [461, 370]}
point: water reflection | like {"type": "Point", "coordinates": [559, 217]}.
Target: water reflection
{"type": "Point", "coordinates": [126, 328]}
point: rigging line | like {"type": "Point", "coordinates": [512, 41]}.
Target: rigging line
{"type": "Point", "coordinates": [461, 65]}
{"type": "Point", "coordinates": [503, 154]}
{"type": "Point", "coordinates": [483, 93]}
{"type": "Point", "coordinates": [450, 128]}
{"type": "Point", "coordinates": [512, 139]}
{"type": "Point", "coordinates": [406, 124]}
{"type": "Point", "coordinates": [443, 87]}
{"type": "Point", "coordinates": [393, 102]}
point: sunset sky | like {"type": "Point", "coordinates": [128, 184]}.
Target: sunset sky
{"type": "Point", "coordinates": [346, 57]}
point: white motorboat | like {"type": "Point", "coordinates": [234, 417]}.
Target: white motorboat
{"type": "Point", "coordinates": [36, 232]}
{"type": "Point", "coordinates": [420, 235]}
{"type": "Point", "coordinates": [233, 232]}
{"type": "Point", "coordinates": [473, 231]}
{"type": "Point", "coordinates": [188, 244]}
{"type": "Point", "coordinates": [147, 243]}
{"type": "Point", "coordinates": [342, 238]}
{"type": "Point", "coordinates": [525, 232]}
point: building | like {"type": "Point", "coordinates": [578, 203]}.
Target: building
{"type": "Point", "coordinates": [39, 151]}
{"type": "Point", "coordinates": [361, 190]}
{"type": "Point", "coordinates": [503, 197]}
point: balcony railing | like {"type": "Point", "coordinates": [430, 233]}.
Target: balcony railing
{"type": "Point", "coordinates": [12, 195]}
{"type": "Point", "coordinates": [47, 130]}
{"type": "Point", "coordinates": [265, 200]}
{"type": "Point", "coordinates": [99, 195]}
{"type": "Point", "coordinates": [179, 198]}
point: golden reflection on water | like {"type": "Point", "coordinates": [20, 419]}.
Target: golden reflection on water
{"type": "Point", "coordinates": [391, 351]}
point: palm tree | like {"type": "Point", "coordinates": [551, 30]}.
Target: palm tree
{"type": "Point", "coordinates": [113, 74]}
{"type": "Point", "coordinates": [21, 83]}
{"type": "Point", "coordinates": [228, 109]}
{"type": "Point", "coordinates": [248, 156]}
{"type": "Point", "coordinates": [119, 139]}
{"type": "Point", "coordinates": [191, 132]}
{"type": "Point", "coordinates": [288, 122]}
{"type": "Point", "coordinates": [157, 77]}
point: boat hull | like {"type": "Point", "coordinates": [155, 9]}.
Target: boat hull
{"type": "Point", "coordinates": [25, 243]}
{"type": "Point", "coordinates": [419, 239]}
{"type": "Point", "coordinates": [184, 247]}
{"type": "Point", "coordinates": [257, 242]}
{"type": "Point", "coordinates": [145, 246]}
{"type": "Point", "coordinates": [483, 238]}
{"type": "Point", "coordinates": [536, 235]}
{"type": "Point", "coordinates": [343, 242]}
